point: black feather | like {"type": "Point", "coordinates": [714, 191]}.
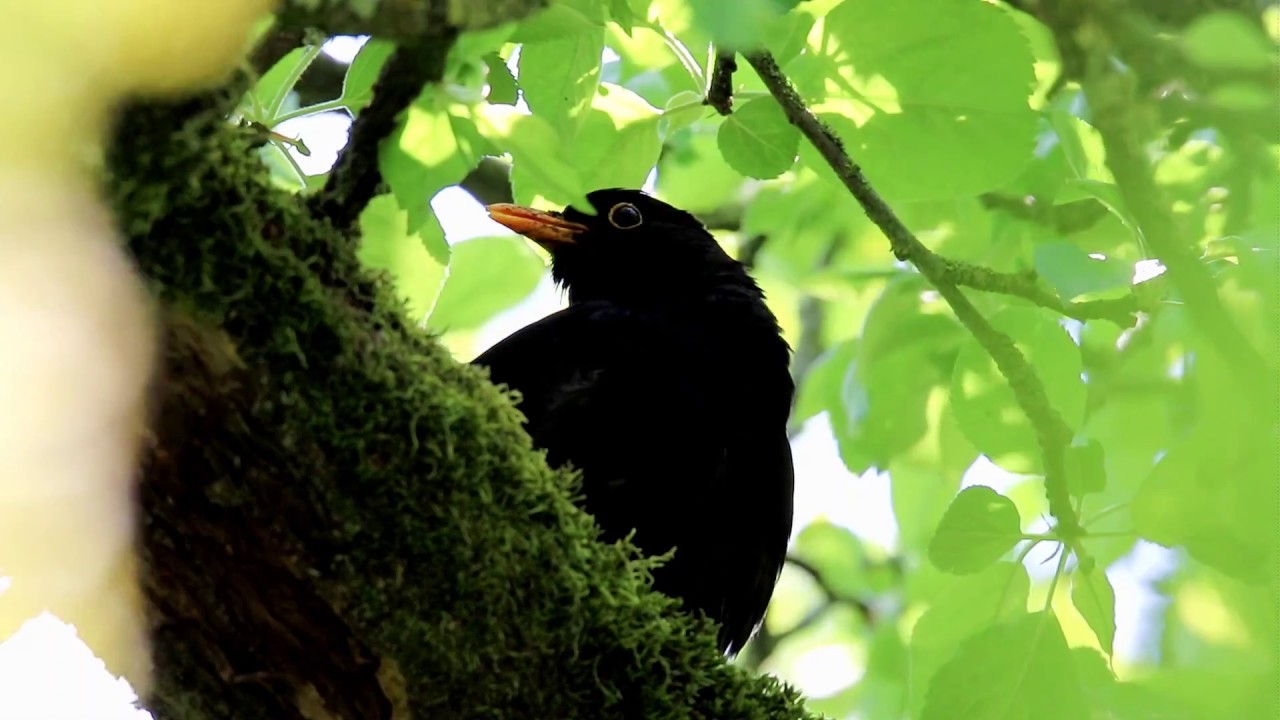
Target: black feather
{"type": "Point", "coordinates": [666, 383]}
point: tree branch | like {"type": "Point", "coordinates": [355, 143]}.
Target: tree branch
{"type": "Point", "coordinates": [1110, 94]}
{"type": "Point", "coordinates": [1120, 311]}
{"type": "Point", "coordinates": [764, 643]}
{"type": "Point", "coordinates": [341, 519]}
{"type": "Point", "coordinates": [1052, 432]}
{"type": "Point", "coordinates": [355, 177]}
{"type": "Point", "coordinates": [720, 89]}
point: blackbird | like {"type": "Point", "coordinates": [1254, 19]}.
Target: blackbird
{"type": "Point", "coordinates": [665, 382]}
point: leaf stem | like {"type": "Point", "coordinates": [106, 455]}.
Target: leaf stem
{"type": "Point", "coordinates": [1053, 584]}
{"type": "Point", "coordinates": [295, 73]}
{"type": "Point", "coordinates": [1103, 513]}
{"type": "Point", "coordinates": [284, 150]}
{"type": "Point", "coordinates": [315, 109]}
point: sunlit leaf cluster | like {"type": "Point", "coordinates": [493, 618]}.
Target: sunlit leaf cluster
{"type": "Point", "coordinates": [976, 126]}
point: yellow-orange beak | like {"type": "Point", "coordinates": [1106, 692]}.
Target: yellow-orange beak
{"type": "Point", "coordinates": [544, 228]}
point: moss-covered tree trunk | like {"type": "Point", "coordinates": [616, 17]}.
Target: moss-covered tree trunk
{"type": "Point", "coordinates": [341, 521]}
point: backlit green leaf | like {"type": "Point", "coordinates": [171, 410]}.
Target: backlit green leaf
{"type": "Point", "coordinates": [741, 25]}
{"type": "Point", "coordinates": [903, 354]}
{"type": "Point", "coordinates": [618, 143]}
{"type": "Point", "coordinates": [1072, 273]}
{"type": "Point", "coordinates": [1228, 41]}
{"type": "Point", "coordinates": [270, 90]}
{"type": "Point", "coordinates": [486, 276]}
{"type": "Point", "coordinates": [416, 261]}
{"type": "Point", "coordinates": [1086, 468]}
{"type": "Point", "coordinates": [559, 20]}
{"type": "Point", "coordinates": [964, 608]}
{"type": "Point", "coordinates": [984, 402]}
{"type": "Point", "coordinates": [933, 95]}
{"type": "Point", "coordinates": [1019, 669]}
{"type": "Point", "coordinates": [539, 167]}
{"type": "Point", "coordinates": [357, 85]}
{"type": "Point", "coordinates": [978, 528]}
{"type": "Point", "coordinates": [757, 141]}
{"type": "Point", "coordinates": [1093, 596]}
{"type": "Point", "coordinates": [559, 77]}
{"type": "Point", "coordinates": [423, 156]}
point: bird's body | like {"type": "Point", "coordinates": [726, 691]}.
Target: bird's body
{"type": "Point", "coordinates": [666, 383]}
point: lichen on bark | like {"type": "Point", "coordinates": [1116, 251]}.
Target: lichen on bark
{"type": "Point", "coordinates": [341, 520]}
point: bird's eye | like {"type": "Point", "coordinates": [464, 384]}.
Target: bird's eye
{"type": "Point", "coordinates": [625, 216]}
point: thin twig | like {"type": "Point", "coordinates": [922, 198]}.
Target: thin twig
{"type": "Point", "coordinates": [720, 89]}
{"type": "Point", "coordinates": [765, 642]}
{"type": "Point", "coordinates": [1051, 431]}
{"type": "Point", "coordinates": [1121, 311]}
{"type": "Point", "coordinates": [355, 177]}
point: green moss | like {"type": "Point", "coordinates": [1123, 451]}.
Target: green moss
{"type": "Point", "coordinates": [395, 479]}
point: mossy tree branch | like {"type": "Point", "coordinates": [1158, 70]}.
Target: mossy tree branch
{"type": "Point", "coordinates": [947, 276]}
{"type": "Point", "coordinates": [342, 521]}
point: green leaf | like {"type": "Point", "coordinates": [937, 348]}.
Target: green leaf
{"type": "Point", "coordinates": [964, 608]}
{"type": "Point", "coordinates": [1222, 40]}
{"type": "Point", "coordinates": [882, 690]}
{"type": "Point", "coordinates": [486, 276]}
{"type": "Point", "coordinates": [1218, 505]}
{"type": "Point", "coordinates": [926, 480]}
{"type": "Point", "coordinates": [423, 156]}
{"type": "Point", "coordinates": [558, 21]}
{"type": "Point", "coordinates": [357, 85]}
{"type": "Point", "coordinates": [502, 84]}
{"type": "Point", "coordinates": [538, 167]}
{"type": "Point", "coordinates": [820, 387]}
{"type": "Point", "coordinates": [903, 354]}
{"type": "Point", "coordinates": [836, 553]}
{"type": "Point", "coordinates": [559, 77]}
{"type": "Point", "coordinates": [618, 143]}
{"type": "Point", "coordinates": [978, 528]}
{"type": "Point", "coordinates": [693, 175]}
{"type": "Point", "coordinates": [1093, 596]}
{"type": "Point", "coordinates": [788, 37]}
{"type": "Point", "coordinates": [1073, 273]}
{"type": "Point", "coordinates": [1082, 147]}
{"type": "Point", "coordinates": [629, 13]}
{"type": "Point", "coordinates": [757, 141]}
{"type": "Point", "coordinates": [270, 90]}
{"type": "Point", "coordinates": [682, 110]}
{"type": "Point", "coordinates": [1020, 669]}
{"type": "Point", "coordinates": [934, 96]}
{"type": "Point", "coordinates": [984, 402]}
{"type": "Point", "coordinates": [1085, 468]}
{"type": "Point", "coordinates": [741, 25]}
{"type": "Point", "coordinates": [475, 44]}
{"type": "Point", "coordinates": [416, 261]}
{"type": "Point", "coordinates": [1216, 489]}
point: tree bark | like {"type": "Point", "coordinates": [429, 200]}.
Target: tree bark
{"type": "Point", "coordinates": [341, 521]}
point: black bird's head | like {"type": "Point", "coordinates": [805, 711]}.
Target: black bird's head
{"type": "Point", "coordinates": [635, 248]}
